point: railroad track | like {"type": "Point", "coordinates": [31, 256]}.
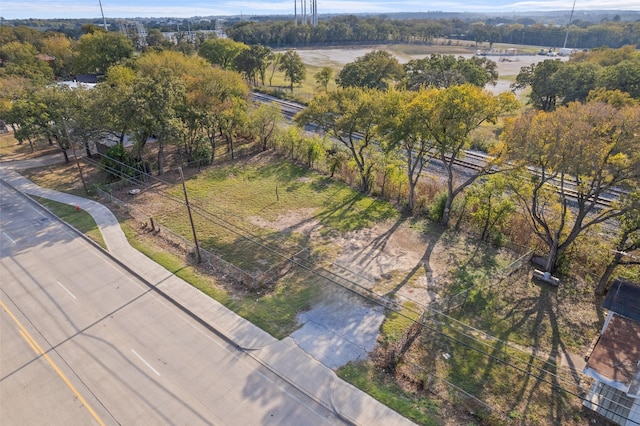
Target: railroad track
{"type": "Point", "coordinates": [472, 160]}
{"type": "Point", "coordinates": [289, 109]}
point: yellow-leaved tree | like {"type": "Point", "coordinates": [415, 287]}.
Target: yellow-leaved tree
{"type": "Point", "coordinates": [569, 159]}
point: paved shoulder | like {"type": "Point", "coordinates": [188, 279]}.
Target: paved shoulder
{"type": "Point", "coordinates": [282, 357]}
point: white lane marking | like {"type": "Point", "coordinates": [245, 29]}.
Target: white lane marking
{"type": "Point", "coordinates": [145, 362]}
{"type": "Point", "coordinates": [66, 289]}
{"type": "Point", "coordinates": [8, 237]}
{"type": "Point", "coordinates": [36, 209]}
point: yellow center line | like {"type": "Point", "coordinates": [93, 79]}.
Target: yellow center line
{"type": "Point", "coordinates": [38, 350]}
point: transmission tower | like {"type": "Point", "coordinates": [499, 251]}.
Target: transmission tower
{"type": "Point", "coordinates": [314, 12]}
{"type": "Point", "coordinates": [135, 31]}
{"type": "Point", "coordinates": [142, 33]}
{"type": "Point", "coordinates": [311, 17]}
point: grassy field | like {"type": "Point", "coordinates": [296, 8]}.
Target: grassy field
{"type": "Point", "coordinates": [244, 192]}
{"type": "Point", "coordinates": [246, 208]}
{"type": "Point", "coordinates": [80, 220]}
{"type": "Point", "coordinates": [231, 198]}
{"type": "Point", "coordinates": [532, 318]}
{"type": "Point", "coordinates": [275, 311]}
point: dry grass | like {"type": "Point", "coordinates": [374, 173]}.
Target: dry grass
{"type": "Point", "coordinates": [11, 149]}
{"type": "Point", "coordinates": [514, 310]}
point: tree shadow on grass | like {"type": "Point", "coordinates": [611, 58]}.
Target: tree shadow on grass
{"type": "Point", "coordinates": [434, 234]}
{"type": "Point", "coordinates": [537, 381]}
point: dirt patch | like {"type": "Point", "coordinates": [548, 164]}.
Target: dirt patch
{"type": "Point", "coordinates": [507, 65]}
{"type": "Point", "coordinates": [339, 57]}
{"type": "Point", "coordinates": [12, 150]}
{"type": "Point", "coordinates": [301, 221]}
{"type": "Point", "coordinates": [374, 257]}
{"type": "Point", "coordinates": [414, 264]}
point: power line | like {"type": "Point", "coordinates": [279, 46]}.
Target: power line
{"type": "Point", "coordinates": [383, 301]}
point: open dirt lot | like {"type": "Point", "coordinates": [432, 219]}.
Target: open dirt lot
{"type": "Point", "coordinates": [508, 65]}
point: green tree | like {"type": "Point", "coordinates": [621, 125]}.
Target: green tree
{"type": "Point", "coordinates": [157, 98]}
{"type": "Point", "coordinates": [446, 70]}
{"type": "Point", "coordinates": [119, 163]}
{"type": "Point", "coordinates": [580, 152]}
{"type": "Point", "coordinates": [157, 40]}
{"type": "Point", "coordinates": [118, 114]}
{"type": "Point", "coordinates": [378, 69]}
{"type": "Point", "coordinates": [221, 51]}
{"type": "Point", "coordinates": [21, 60]}
{"type": "Point", "coordinates": [28, 116]}
{"type": "Point", "coordinates": [624, 76]}
{"type": "Point", "coordinates": [350, 116]}
{"type": "Point", "coordinates": [232, 121]}
{"type": "Point", "coordinates": [99, 50]}
{"type": "Point", "coordinates": [274, 63]}
{"type": "Point", "coordinates": [544, 88]}
{"type": "Point", "coordinates": [575, 80]}
{"type": "Point", "coordinates": [51, 111]}
{"type": "Point", "coordinates": [479, 32]}
{"type": "Point", "coordinates": [212, 93]}
{"type": "Point", "coordinates": [12, 89]}
{"type": "Point", "coordinates": [293, 67]}
{"type": "Point", "coordinates": [81, 118]}
{"type": "Point", "coordinates": [402, 127]}
{"type": "Point", "coordinates": [606, 56]}
{"type": "Point", "coordinates": [323, 77]}
{"type": "Point", "coordinates": [252, 62]}
{"type": "Point", "coordinates": [22, 34]}
{"type": "Point", "coordinates": [60, 48]}
{"type": "Point", "coordinates": [616, 98]}
{"type": "Point", "coordinates": [627, 242]}
{"type": "Point", "coordinates": [490, 204]}
{"type": "Point", "coordinates": [263, 122]}
{"type": "Point", "coordinates": [263, 55]}
{"type": "Point", "coordinates": [153, 63]}
{"type": "Point", "coordinates": [451, 115]}
{"type": "Point", "coordinates": [92, 29]}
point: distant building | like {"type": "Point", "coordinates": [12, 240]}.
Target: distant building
{"type": "Point", "coordinates": [614, 362]}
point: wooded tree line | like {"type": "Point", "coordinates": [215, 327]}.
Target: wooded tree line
{"type": "Point", "coordinates": [579, 153]}
{"type": "Point", "coordinates": [384, 135]}
{"type": "Point", "coordinates": [75, 28]}
{"type": "Point", "coordinates": [28, 53]}
{"type": "Point", "coordinates": [352, 29]}
{"type": "Point", "coordinates": [377, 69]}
{"type": "Point", "coordinates": [554, 82]}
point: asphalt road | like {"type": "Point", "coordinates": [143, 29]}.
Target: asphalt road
{"type": "Point", "coordinates": [83, 342]}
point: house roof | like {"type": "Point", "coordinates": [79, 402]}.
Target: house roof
{"type": "Point", "coordinates": [45, 57]}
{"type": "Point", "coordinates": [87, 78]}
{"type": "Point", "coordinates": [617, 353]}
{"type": "Point", "coordinates": [624, 299]}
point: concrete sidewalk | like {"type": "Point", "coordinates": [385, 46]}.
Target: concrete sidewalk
{"type": "Point", "coordinates": [283, 357]}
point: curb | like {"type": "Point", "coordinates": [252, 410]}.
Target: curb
{"type": "Point", "coordinates": [329, 405]}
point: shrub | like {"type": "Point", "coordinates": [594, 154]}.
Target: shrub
{"type": "Point", "coordinates": [436, 210]}
{"type": "Point", "coordinates": [120, 164]}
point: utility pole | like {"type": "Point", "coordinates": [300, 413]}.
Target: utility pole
{"type": "Point", "coordinates": [103, 20]}
{"type": "Point", "coordinates": [566, 37]}
{"type": "Point", "coordinates": [73, 147]}
{"type": "Point", "coordinates": [193, 228]}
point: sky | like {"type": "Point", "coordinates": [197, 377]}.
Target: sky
{"type": "Point", "coordinates": [19, 9]}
